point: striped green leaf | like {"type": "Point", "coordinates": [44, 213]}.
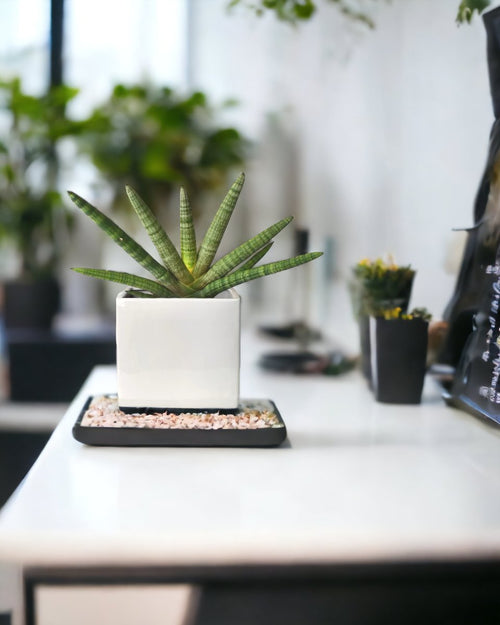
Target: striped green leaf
{"type": "Point", "coordinates": [119, 236]}
{"type": "Point", "coordinates": [129, 279]}
{"type": "Point", "coordinates": [159, 238]}
{"type": "Point", "coordinates": [215, 232]}
{"type": "Point", "coordinates": [187, 232]}
{"type": "Point", "coordinates": [253, 260]}
{"type": "Point", "coordinates": [234, 258]}
{"type": "Point", "coordinates": [246, 275]}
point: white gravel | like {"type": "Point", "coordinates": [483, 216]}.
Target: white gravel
{"type": "Point", "coordinates": [103, 411]}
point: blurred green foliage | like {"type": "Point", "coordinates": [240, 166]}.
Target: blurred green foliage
{"type": "Point", "coordinates": [377, 285]}
{"type": "Point", "coordinates": [31, 210]}
{"type": "Point", "coordinates": [150, 138]}
{"type": "Point", "coordinates": [467, 8]}
{"type": "Point", "coordinates": [156, 140]}
{"type": "Point", "coordinates": [294, 11]}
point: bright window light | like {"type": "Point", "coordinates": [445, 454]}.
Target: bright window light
{"type": "Point", "coordinates": [130, 41]}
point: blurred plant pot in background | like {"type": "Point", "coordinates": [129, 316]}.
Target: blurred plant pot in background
{"type": "Point", "coordinates": [398, 359]}
{"type": "Point", "coordinates": [376, 286]}
{"type": "Point", "coordinates": [364, 327]}
{"type": "Point", "coordinates": [31, 303]}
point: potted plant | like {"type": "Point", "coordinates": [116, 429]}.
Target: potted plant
{"type": "Point", "coordinates": [33, 219]}
{"type": "Point", "coordinates": [398, 354]}
{"type": "Point", "coordinates": [178, 334]}
{"type": "Point", "coordinates": [375, 286]}
{"type": "Point", "coordinates": [156, 140]}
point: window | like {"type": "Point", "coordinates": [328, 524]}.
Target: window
{"type": "Point", "coordinates": [24, 45]}
{"type": "Point", "coordinates": [131, 41]}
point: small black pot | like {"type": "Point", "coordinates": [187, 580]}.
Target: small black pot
{"type": "Point", "coordinates": [31, 303]}
{"type": "Point", "coordinates": [398, 358]}
{"type": "Point", "coordinates": [364, 328]}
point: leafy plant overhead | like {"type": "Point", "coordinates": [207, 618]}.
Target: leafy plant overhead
{"type": "Point", "coordinates": [31, 209]}
{"type": "Point", "coordinates": [192, 272]}
{"type": "Point", "coordinates": [294, 11]}
{"type": "Point", "coordinates": [467, 8]}
{"type": "Point", "coordinates": [156, 140]}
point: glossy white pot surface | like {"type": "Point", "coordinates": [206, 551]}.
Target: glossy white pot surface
{"type": "Point", "coordinates": [178, 353]}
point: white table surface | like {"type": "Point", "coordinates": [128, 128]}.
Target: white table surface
{"type": "Point", "coordinates": [359, 482]}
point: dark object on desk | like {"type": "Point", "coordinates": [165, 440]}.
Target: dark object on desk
{"type": "Point", "coordinates": [296, 331]}
{"type": "Point", "coordinates": [46, 367]}
{"type": "Point", "coordinates": [333, 363]}
{"type": "Point", "coordinates": [476, 385]}
{"type": "Point", "coordinates": [339, 363]}
{"type": "Point", "coordinates": [292, 362]}
{"type": "Point", "coordinates": [484, 237]}
{"type": "Point", "coordinates": [122, 436]}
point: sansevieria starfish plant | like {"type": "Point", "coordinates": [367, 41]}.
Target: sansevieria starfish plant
{"type": "Point", "coordinates": [192, 272]}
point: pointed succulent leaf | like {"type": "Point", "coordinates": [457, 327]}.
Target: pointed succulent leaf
{"type": "Point", "coordinates": [215, 232]}
{"type": "Point", "coordinates": [119, 236]}
{"type": "Point", "coordinates": [253, 260]}
{"type": "Point", "coordinates": [126, 278]}
{"type": "Point", "coordinates": [160, 239]}
{"type": "Point", "coordinates": [234, 258]}
{"type": "Point", "coordinates": [246, 275]}
{"type": "Point", "coordinates": [187, 232]}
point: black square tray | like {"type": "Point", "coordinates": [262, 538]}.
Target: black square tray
{"type": "Point", "coordinates": [170, 437]}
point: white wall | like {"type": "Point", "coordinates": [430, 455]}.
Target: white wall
{"type": "Point", "coordinates": [383, 133]}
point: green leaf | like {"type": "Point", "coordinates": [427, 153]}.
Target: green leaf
{"type": "Point", "coordinates": [246, 275]}
{"type": "Point", "coordinates": [467, 8]}
{"type": "Point", "coordinates": [119, 236]}
{"type": "Point", "coordinates": [187, 232]}
{"type": "Point", "coordinates": [234, 258]}
{"type": "Point", "coordinates": [126, 278]}
{"type": "Point", "coordinates": [304, 10]}
{"type": "Point", "coordinates": [160, 239]}
{"type": "Point", "coordinates": [215, 232]}
{"type": "Point", "coordinates": [253, 260]}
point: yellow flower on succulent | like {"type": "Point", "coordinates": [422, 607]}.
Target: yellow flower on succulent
{"type": "Point", "coordinates": [392, 313]}
{"type": "Point", "coordinates": [378, 285]}
{"type": "Point", "coordinates": [397, 313]}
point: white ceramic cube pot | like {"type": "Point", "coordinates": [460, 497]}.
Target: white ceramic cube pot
{"type": "Point", "coordinates": [178, 353]}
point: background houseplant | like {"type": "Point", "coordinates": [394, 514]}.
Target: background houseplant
{"type": "Point", "coordinates": [149, 137]}
{"type": "Point", "coordinates": [376, 286]}
{"type": "Point", "coordinates": [188, 281]}
{"type": "Point", "coordinates": [155, 139]}
{"type": "Point", "coordinates": [33, 218]}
